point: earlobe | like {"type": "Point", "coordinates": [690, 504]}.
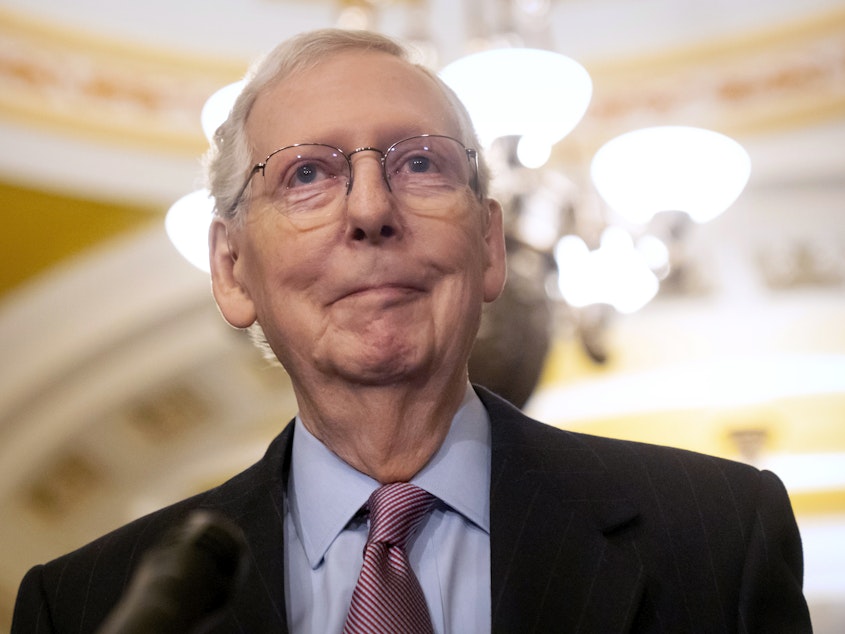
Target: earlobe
{"type": "Point", "coordinates": [231, 296]}
{"type": "Point", "coordinates": [495, 272]}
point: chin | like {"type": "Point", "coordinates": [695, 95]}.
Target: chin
{"type": "Point", "coordinates": [384, 365]}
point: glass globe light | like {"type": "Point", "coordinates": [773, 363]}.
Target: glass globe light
{"type": "Point", "coordinates": [521, 92]}
{"type": "Point", "coordinates": [670, 168]}
{"type": "Point", "coordinates": [187, 223]}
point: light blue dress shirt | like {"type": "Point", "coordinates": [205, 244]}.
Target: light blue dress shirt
{"type": "Point", "coordinates": [324, 537]}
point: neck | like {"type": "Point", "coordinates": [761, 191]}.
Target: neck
{"type": "Point", "coordinates": [387, 432]}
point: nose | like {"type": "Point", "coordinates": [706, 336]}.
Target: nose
{"type": "Point", "coordinates": [370, 207]}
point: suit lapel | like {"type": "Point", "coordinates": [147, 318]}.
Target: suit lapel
{"type": "Point", "coordinates": [255, 500]}
{"type": "Point", "coordinates": [560, 560]}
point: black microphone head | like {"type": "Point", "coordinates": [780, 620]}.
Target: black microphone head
{"type": "Point", "coordinates": [184, 579]}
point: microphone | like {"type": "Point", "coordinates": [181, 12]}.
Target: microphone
{"type": "Point", "coordinates": [183, 580]}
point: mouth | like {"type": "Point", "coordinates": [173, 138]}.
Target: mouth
{"type": "Point", "coordinates": [388, 291]}
{"type": "Point", "coordinates": [383, 293]}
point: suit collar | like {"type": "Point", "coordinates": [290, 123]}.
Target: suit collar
{"type": "Point", "coordinates": [558, 552]}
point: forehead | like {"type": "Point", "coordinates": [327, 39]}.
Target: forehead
{"type": "Point", "coordinates": [350, 99]}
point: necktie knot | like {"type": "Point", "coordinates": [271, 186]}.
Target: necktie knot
{"type": "Point", "coordinates": [396, 510]}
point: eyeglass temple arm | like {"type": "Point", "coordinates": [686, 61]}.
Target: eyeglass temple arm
{"type": "Point", "coordinates": [237, 201]}
{"type": "Point", "coordinates": [472, 155]}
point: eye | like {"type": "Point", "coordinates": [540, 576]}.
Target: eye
{"type": "Point", "coordinates": [305, 168]}
{"type": "Point", "coordinates": [308, 173]}
{"type": "Point", "coordinates": [418, 160]}
{"type": "Point", "coordinates": [305, 174]}
{"type": "Point", "coordinates": [419, 164]}
{"type": "Point", "coordinates": [431, 159]}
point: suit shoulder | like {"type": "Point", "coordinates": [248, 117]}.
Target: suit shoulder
{"type": "Point", "coordinates": [664, 479]}
{"type": "Point", "coordinates": [642, 469]}
{"type": "Point", "coordinates": [620, 454]}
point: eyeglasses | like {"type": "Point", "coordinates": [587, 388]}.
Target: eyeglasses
{"type": "Point", "coordinates": [308, 181]}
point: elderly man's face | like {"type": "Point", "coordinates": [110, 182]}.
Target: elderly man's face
{"type": "Point", "coordinates": [380, 293]}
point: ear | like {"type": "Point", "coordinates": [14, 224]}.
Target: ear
{"type": "Point", "coordinates": [232, 297]}
{"type": "Point", "coordinates": [495, 272]}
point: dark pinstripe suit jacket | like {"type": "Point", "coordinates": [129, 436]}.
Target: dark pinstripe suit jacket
{"type": "Point", "coordinates": [588, 534]}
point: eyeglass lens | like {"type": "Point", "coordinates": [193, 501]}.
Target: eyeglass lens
{"type": "Point", "coordinates": [308, 182]}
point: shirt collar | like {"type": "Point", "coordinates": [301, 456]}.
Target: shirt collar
{"type": "Point", "coordinates": [325, 492]}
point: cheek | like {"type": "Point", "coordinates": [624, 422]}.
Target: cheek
{"type": "Point", "coordinates": [278, 268]}
{"type": "Point", "coordinates": [288, 308]}
{"type": "Point", "coordinates": [461, 261]}
{"type": "Point", "coordinates": [465, 250]}
{"type": "Point", "coordinates": [456, 235]}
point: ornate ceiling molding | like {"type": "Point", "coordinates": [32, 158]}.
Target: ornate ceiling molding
{"type": "Point", "coordinates": [107, 89]}
{"type": "Point", "coordinates": [765, 82]}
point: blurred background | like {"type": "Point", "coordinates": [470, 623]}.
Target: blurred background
{"type": "Point", "coordinates": [121, 388]}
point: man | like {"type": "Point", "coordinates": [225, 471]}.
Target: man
{"type": "Point", "coordinates": [361, 245]}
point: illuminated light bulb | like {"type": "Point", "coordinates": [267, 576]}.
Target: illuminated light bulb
{"type": "Point", "coordinates": [670, 168]}
{"type": "Point", "coordinates": [521, 92]}
{"type": "Point", "coordinates": [574, 280]}
{"type": "Point", "coordinates": [614, 274]}
{"type": "Point", "coordinates": [654, 252]}
{"type": "Point", "coordinates": [656, 255]}
{"type": "Point", "coordinates": [217, 108]}
{"type": "Point", "coordinates": [533, 152]}
{"type": "Point", "coordinates": [187, 224]}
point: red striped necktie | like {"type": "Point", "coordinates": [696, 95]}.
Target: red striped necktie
{"type": "Point", "coordinates": [388, 597]}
